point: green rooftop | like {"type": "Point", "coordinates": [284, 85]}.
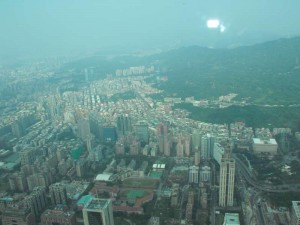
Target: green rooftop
{"type": "Point", "coordinates": [76, 153]}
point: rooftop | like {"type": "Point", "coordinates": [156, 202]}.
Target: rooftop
{"type": "Point", "coordinates": [231, 219]}
{"type": "Point", "coordinates": [296, 206]}
{"type": "Point", "coordinates": [84, 199]}
{"type": "Point", "coordinates": [97, 203]}
{"type": "Point", "coordinates": [103, 177]}
{"type": "Point", "coordinates": [264, 141]}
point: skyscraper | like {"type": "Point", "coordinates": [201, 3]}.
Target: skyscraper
{"type": "Point", "coordinates": [142, 131]}
{"type": "Point", "coordinates": [162, 134]}
{"type": "Point", "coordinates": [98, 211]}
{"type": "Point", "coordinates": [227, 172]}
{"type": "Point", "coordinates": [84, 128]}
{"type": "Point", "coordinates": [197, 157]}
{"type": "Point", "coordinates": [124, 126]}
{"type": "Point", "coordinates": [207, 145]}
{"type": "Point", "coordinates": [84, 132]}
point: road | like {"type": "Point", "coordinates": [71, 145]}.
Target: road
{"type": "Point", "coordinates": [244, 171]}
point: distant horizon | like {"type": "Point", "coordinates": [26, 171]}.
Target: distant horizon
{"type": "Point", "coordinates": [37, 29]}
{"type": "Point", "coordinates": [140, 52]}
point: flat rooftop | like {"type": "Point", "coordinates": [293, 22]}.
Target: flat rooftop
{"type": "Point", "coordinates": [264, 141]}
{"type": "Point", "coordinates": [97, 203]}
{"type": "Point", "coordinates": [231, 219]}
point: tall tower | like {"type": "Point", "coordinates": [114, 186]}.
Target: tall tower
{"type": "Point", "coordinates": [98, 212]}
{"type": "Point", "coordinates": [162, 134]}
{"type": "Point", "coordinates": [142, 131]}
{"type": "Point", "coordinates": [84, 132]}
{"type": "Point", "coordinates": [124, 125]}
{"type": "Point", "coordinates": [207, 145]}
{"type": "Point", "coordinates": [194, 174]}
{"type": "Point", "coordinates": [227, 172]}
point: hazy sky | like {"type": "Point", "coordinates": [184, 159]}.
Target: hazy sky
{"type": "Point", "coordinates": [49, 27]}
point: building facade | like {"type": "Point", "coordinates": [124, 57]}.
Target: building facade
{"type": "Point", "coordinates": [98, 212]}
{"type": "Point", "coordinates": [59, 215]}
{"type": "Point", "coordinates": [58, 194]}
{"type": "Point", "coordinates": [18, 216]}
{"type": "Point", "coordinates": [227, 172]}
{"type": "Point", "coordinates": [295, 215]}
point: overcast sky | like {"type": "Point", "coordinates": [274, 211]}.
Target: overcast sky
{"type": "Point", "coordinates": [60, 27]}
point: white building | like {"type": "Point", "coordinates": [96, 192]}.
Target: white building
{"type": "Point", "coordinates": [218, 152]}
{"type": "Point", "coordinates": [98, 211]}
{"type": "Point", "coordinates": [205, 174]}
{"type": "Point", "coordinates": [227, 172]}
{"type": "Point", "coordinates": [194, 174]}
{"type": "Point", "coordinates": [266, 146]}
{"type": "Point", "coordinates": [207, 145]}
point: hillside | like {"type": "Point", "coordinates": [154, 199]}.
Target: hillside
{"type": "Point", "coordinates": [269, 73]}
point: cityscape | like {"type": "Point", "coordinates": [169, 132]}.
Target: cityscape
{"type": "Point", "coordinates": [107, 152]}
{"type": "Point", "coordinates": [173, 112]}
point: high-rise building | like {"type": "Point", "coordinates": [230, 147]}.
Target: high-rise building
{"type": "Point", "coordinates": [227, 172]}
{"type": "Point", "coordinates": [187, 145]}
{"type": "Point", "coordinates": [142, 131]}
{"type": "Point", "coordinates": [17, 182]}
{"type": "Point", "coordinates": [218, 152]}
{"type": "Point", "coordinates": [27, 155]}
{"type": "Point", "coordinates": [194, 174]}
{"type": "Point", "coordinates": [18, 216]}
{"type": "Point", "coordinates": [179, 149]}
{"type": "Point", "coordinates": [84, 131]}
{"type": "Point", "coordinates": [59, 215]}
{"type": "Point", "coordinates": [197, 157]}
{"type": "Point", "coordinates": [124, 125]}
{"type": "Point", "coordinates": [207, 145]}
{"type": "Point", "coordinates": [37, 179]}
{"type": "Point", "coordinates": [58, 194]}
{"type": "Point", "coordinates": [81, 167]}
{"type": "Point", "coordinates": [295, 215]}
{"type": "Point", "coordinates": [205, 174]}
{"type": "Point", "coordinates": [167, 147]}
{"type": "Point", "coordinates": [98, 212]}
{"type": "Point", "coordinates": [120, 147]}
{"type": "Point", "coordinates": [196, 139]}
{"type": "Point", "coordinates": [108, 133]}
{"type": "Point", "coordinates": [162, 135]}
{"type": "Point", "coordinates": [134, 147]}
{"type": "Point", "coordinates": [189, 207]}
{"type": "Point", "coordinates": [37, 200]}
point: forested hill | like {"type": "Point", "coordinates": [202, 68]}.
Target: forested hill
{"type": "Point", "coordinates": [268, 72]}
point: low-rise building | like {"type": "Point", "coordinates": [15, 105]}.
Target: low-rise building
{"type": "Point", "coordinates": [265, 146]}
